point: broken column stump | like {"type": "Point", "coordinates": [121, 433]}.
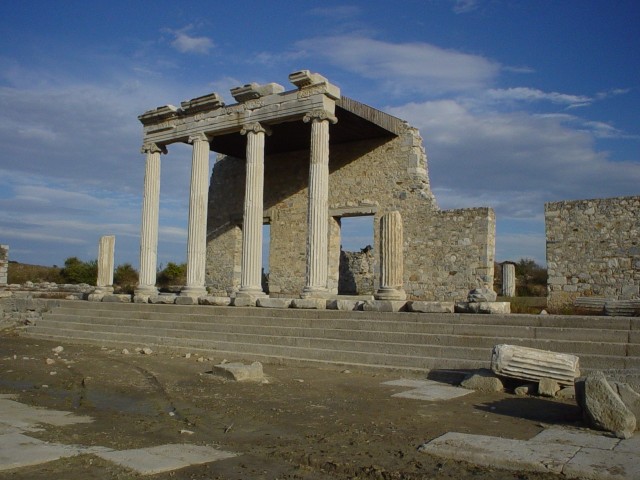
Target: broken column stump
{"type": "Point", "coordinates": [533, 364]}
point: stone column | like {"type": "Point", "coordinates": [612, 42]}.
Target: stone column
{"type": "Point", "coordinates": [508, 279]}
{"type": "Point", "coordinates": [106, 250]}
{"type": "Point", "coordinates": [251, 268]}
{"type": "Point", "coordinates": [318, 207]}
{"type": "Point", "coordinates": [4, 265]}
{"type": "Point", "coordinates": [149, 225]}
{"type": "Point", "coordinates": [197, 230]}
{"type": "Point", "coordinates": [391, 258]}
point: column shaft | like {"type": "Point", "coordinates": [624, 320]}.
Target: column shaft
{"type": "Point", "coordinates": [197, 228]}
{"type": "Point", "coordinates": [318, 208]}
{"type": "Point", "coordinates": [391, 258]}
{"type": "Point", "coordinates": [251, 268]}
{"type": "Point", "coordinates": [508, 280]}
{"type": "Point", "coordinates": [149, 224]}
{"type": "Point", "coordinates": [106, 249]}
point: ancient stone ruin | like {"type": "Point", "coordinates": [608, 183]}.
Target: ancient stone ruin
{"type": "Point", "coordinates": [300, 161]}
{"type": "Point", "coordinates": [593, 250]}
{"type": "Point", "coordinates": [4, 264]}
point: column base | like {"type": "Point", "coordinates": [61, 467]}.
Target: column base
{"type": "Point", "coordinates": [193, 292]}
{"type": "Point", "coordinates": [103, 290]}
{"type": "Point", "coordinates": [146, 290]}
{"type": "Point", "coordinates": [251, 292]}
{"type": "Point", "coordinates": [316, 292]}
{"type": "Point", "coordinates": [388, 293]}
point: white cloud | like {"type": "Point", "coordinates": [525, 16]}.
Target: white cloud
{"type": "Point", "coordinates": [464, 6]}
{"type": "Point", "coordinates": [404, 67]}
{"type": "Point", "coordinates": [534, 95]}
{"type": "Point", "coordinates": [187, 44]}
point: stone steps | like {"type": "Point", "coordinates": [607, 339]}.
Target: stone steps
{"type": "Point", "coordinates": [391, 340]}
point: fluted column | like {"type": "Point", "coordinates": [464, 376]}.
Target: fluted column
{"type": "Point", "coordinates": [106, 248]}
{"type": "Point", "coordinates": [197, 233]}
{"type": "Point", "coordinates": [508, 280]}
{"type": "Point", "coordinates": [391, 258]}
{"type": "Point", "coordinates": [149, 225]}
{"type": "Point", "coordinates": [318, 208]}
{"type": "Point", "coordinates": [251, 267]}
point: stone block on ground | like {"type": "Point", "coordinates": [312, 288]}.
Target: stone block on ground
{"type": "Point", "coordinates": [548, 387]}
{"type": "Point", "coordinates": [239, 371]}
{"type": "Point", "coordinates": [186, 300]}
{"type": "Point", "coordinates": [483, 380]}
{"type": "Point", "coordinates": [274, 302]}
{"type": "Point", "coordinates": [163, 298]}
{"type": "Point", "coordinates": [141, 298]}
{"type": "Point", "coordinates": [482, 295]}
{"type": "Point", "coordinates": [214, 300]}
{"type": "Point", "coordinates": [430, 307]}
{"type": "Point", "coordinates": [604, 409]}
{"type": "Point", "coordinates": [344, 305]}
{"type": "Point", "coordinates": [533, 364]}
{"type": "Point", "coordinates": [629, 397]}
{"type": "Point", "coordinates": [117, 298]}
{"type": "Point", "coordinates": [567, 393]}
{"type": "Point", "coordinates": [526, 389]}
{"type": "Point", "coordinates": [309, 303]}
{"type": "Point", "coordinates": [493, 308]}
{"type": "Point", "coordinates": [95, 297]}
{"type": "Point", "coordinates": [384, 306]}
{"type": "Point", "coordinates": [244, 301]}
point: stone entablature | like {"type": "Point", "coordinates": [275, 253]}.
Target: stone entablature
{"type": "Point", "coordinates": [593, 249]}
{"type": "Point", "coordinates": [4, 264]}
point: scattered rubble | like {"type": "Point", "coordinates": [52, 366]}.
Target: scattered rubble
{"type": "Point", "coordinates": [483, 380]}
{"type": "Point", "coordinates": [239, 372]}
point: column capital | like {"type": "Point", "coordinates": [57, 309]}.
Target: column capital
{"type": "Point", "coordinates": [255, 127]}
{"type": "Point", "coordinates": [319, 115]}
{"type": "Point", "coordinates": [199, 137]}
{"type": "Point", "coordinates": [153, 148]}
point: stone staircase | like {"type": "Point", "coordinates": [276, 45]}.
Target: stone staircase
{"type": "Point", "coordinates": [408, 341]}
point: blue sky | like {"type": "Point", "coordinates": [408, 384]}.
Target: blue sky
{"type": "Point", "coordinates": [518, 102]}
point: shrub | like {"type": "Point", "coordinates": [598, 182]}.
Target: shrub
{"type": "Point", "coordinates": [77, 271]}
{"type": "Point", "coordinates": [172, 274]}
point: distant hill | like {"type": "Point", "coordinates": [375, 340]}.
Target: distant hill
{"type": "Point", "coordinates": [23, 272]}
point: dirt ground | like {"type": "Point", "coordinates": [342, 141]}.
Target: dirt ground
{"type": "Point", "coordinates": [305, 423]}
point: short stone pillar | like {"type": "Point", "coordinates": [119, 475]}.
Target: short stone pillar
{"type": "Point", "coordinates": [508, 279]}
{"type": "Point", "coordinates": [106, 250]}
{"type": "Point", "coordinates": [391, 258]}
{"type": "Point", "coordinates": [4, 265]}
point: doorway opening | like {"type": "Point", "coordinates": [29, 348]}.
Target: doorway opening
{"type": "Point", "coordinates": [356, 270]}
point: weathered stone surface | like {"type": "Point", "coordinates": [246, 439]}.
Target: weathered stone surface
{"type": "Point", "coordinates": [604, 408]}
{"type": "Point", "coordinates": [482, 295]}
{"type": "Point", "coordinates": [95, 297]}
{"type": "Point", "coordinates": [548, 387]}
{"type": "Point", "coordinates": [566, 393]}
{"type": "Point", "coordinates": [213, 300]}
{"type": "Point", "coordinates": [117, 298]}
{"type": "Point", "coordinates": [344, 305]}
{"type": "Point", "coordinates": [483, 380]}
{"type": "Point", "coordinates": [167, 298]}
{"type": "Point", "coordinates": [527, 389]}
{"type": "Point", "coordinates": [106, 250]}
{"type": "Point", "coordinates": [4, 264]}
{"type": "Point", "coordinates": [495, 308]}
{"type": "Point", "coordinates": [533, 364]}
{"type": "Point", "coordinates": [430, 307]}
{"type": "Point", "coordinates": [309, 303]}
{"type": "Point", "coordinates": [584, 260]}
{"type": "Point", "coordinates": [508, 279]}
{"type": "Point", "coordinates": [629, 397]}
{"type": "Point", "coordinates": [384, 306]}
{"type": "Point", "coordinates": [244, 301]}
{"type": "Point", "coordinates": [186, 300]}
{"type": "Point", "coordinates": [391, 258]}
{"type": "Point", "coordinates": [239, 371]}
{"type": "Point", "coordinates": [274, 302]}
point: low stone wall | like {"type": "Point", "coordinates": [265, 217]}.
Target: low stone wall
{"type": "Point", "coordinates": [18, 311]}
{"type": "Point", "coordinates": [593, 249]}
{"type": "Point", "coordinates": [356, 273]}
{"type": "Point", "coordinates": [4, 264]}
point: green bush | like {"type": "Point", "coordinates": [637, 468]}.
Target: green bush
{"type": "Point", "coordinates": [125, 278]}
{"type": "Point", "coordinates": [172, 274]}
{"type": "Point", "coordinates": [77, 271]}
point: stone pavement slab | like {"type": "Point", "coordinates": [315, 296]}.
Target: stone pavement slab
{"type": "Point", "coordinates": [21, 451]}
{"type": "Point", "coordinates": [27, 418]}
{"type": "Point", "coordinates": [576, 438]}
{"type": "Point", "coordinates": [499, 452]}
{"type": "Point", "coordinates": [428, 390]}
{"type": "Point", "coordinates": [630, 445]}
{"type": "Point", "coordinates": [596, 464]}
{"type": "Point", "coordinates": [164, 458]}
{"type": "Point", "coordinates": [434, 393]}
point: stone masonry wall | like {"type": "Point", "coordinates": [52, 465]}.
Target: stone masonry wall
{"type": "Point", "coordinates": [593, 249]}
{"type": "Point", "coordinates": [356, 273]}
{"type": "Point", "coordinates": [446, 253]}
{"type": "Point", "coordinates": [4, 264]}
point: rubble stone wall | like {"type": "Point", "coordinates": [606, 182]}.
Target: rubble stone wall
{"type": "Point", "coordinates": [593, 249]}
{"type": "Point", "coordinates": [356, 273]}
{"type": "Point", "coordinates": [4, 264]}
{"type": "Point", "coordinates": [446, 253]}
